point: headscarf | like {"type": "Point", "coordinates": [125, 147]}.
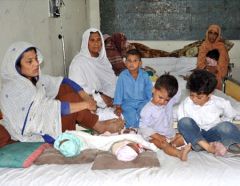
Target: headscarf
{"type": "Point", "coordinates": [120, 42]}
{"type": "Point", "coordinates": [116, 47]}
{"type": "Point", "coordinates": [222, 67]}
{"type": "Point", "coordinates": [28, 109]}
{"type": "Point", "coordinates": [213, 28]}
{"type": "Point", "coordinates": [93, 73]}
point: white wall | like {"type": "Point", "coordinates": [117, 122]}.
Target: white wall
{"type": "Point", "coordinates": [93, 14]}
{"type": "Point", "coordinates": [28, 20]}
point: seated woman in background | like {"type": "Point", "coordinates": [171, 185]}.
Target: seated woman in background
{"type": "Point", "coordinates": [33, 103]}
{"type": "Point", "coordinates": [116, 46]}
{"type": "Point", "coordinates": [91, 68]}
{"type": "Point", "coordinates": [213, 41]}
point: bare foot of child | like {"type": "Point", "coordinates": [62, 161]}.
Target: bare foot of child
{"type": "Point", "coordinates": [184, 152]}
{"type": "Point", "coordinates": [211, 148]}
{"type": "Point", "coordinates": [178, 141]}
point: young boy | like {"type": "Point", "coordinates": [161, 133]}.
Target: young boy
{"type": "Point", "coordinates": [133, 90]}
{"type": "Point", "coordinates": [156, 123]}
{"type": "Point", "coordinates": [204, 118]}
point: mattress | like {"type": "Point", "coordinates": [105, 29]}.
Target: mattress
{"type": "Point", "coordinates": [201, 169]}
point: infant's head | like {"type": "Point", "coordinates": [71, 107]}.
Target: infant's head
{"type": "Point", "coordinates": [126, 150]}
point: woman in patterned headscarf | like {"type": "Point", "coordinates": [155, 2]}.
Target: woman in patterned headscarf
{"type": "Point", "coordinates": [116, 47]}
{"type": "Point", "coordinates": [213, 41]}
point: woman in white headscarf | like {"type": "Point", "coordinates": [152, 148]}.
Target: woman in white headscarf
{"type": "Point", "coordinates": [33, 103]}
{"type": "Point", "coordinates": [91, 68]}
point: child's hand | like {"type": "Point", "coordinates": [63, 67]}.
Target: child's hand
{"type": "Point", "coordinates": [118, 111]}
{"type": "Point", "coordinates": [108, 101]}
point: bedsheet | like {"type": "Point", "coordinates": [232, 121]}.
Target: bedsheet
{"type": "Point", "coordinates": [200, 169]}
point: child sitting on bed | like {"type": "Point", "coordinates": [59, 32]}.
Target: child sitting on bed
{"type": "Point", "coordinates": [133, 90]}
{"type": "Point", "coordinates": [204, 119]}
{"type": "Point", "coordinates": [156, 122]}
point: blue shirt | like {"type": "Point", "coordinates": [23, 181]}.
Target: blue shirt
{"type": "Point", "coordinates": [132, 91]}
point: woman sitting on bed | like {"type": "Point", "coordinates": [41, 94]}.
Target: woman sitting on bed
{"type": "Point", "coordinates": [33, 103]}
{"type": "Point", "coordinates": [213, 41]}
{"type": "Point", "coordinates": [91, 68]}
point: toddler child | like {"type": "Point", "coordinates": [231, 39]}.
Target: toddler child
{"type": "Point", "coordinates": [156, 123]}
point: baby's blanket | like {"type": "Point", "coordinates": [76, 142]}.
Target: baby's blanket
{"type": "Point", "coordinates": [104, 143]}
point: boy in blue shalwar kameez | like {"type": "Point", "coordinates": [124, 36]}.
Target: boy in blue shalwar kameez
{"type": "Point", "coordinates": [133, 90]}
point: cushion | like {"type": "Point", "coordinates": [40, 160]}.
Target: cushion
{"type": "Point", "coordinates": [53, 156]}
{"type": "Point", "coordinates": [106, 160]}
{"type": "Point", "coordinates": [21, 154]}
{"type": "Point", "coordinates": [5, 137]}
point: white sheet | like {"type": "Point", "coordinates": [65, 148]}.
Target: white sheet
{"type": "Point", "coordinates": [202, 169]}
{"type": "Point", "coordinates": [176, 66]}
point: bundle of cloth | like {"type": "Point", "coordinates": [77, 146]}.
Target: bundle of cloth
{"type": "Point", "coordinates": [126, 147]}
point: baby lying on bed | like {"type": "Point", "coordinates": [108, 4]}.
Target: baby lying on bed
{"type": "Point", "coordinates": [71, 143]}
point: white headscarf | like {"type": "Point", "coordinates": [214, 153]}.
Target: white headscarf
{"type": "Point", "coordinates": [28, 109]}
{"type": "Point", "coordinates": [93, 73]}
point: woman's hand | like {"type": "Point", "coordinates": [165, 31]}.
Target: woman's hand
{"type": "Point", "coordinates": [91, 105]}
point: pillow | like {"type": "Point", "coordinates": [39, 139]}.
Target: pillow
{"type": "Point", "coordinates": [106, 160]}
{"type": "Point", "coordinates": [5, 137]}
{"type": "Point", "coordinates": [53, 156]}
{"type": "Point", "coordinates": [21, 154]}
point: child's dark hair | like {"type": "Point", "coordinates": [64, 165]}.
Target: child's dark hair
{"type": "Point", "coordinates": [213, 54]}
{"type": "Point", "coordinates": [202, 82]}
{"type": "Point", "coordinates": [169, 83]}
{"type": "Point", "coordinates": [134, 52]}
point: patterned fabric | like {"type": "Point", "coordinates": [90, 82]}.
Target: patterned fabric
{"type": "Point", "coordinates": [116, 46]}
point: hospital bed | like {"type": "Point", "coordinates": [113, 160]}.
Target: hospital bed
{"type": "Point", "coordinates": [201, 169]}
